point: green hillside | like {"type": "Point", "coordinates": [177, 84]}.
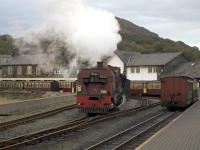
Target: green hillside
{"type": "Point", "coordinates": [139, 39]}
{"type": "Point", "coordinates": [135, 38]}
{"type": "Point", "coordinates": [6, 44]}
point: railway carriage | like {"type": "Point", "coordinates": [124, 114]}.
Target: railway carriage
{"type": "Point", "coordinates": [39, 84]}
{"type": "Point", "coordinates": [145, 88]}
{"type": "Point", "coordinates": [153, 88]}
{"type": "Point", "coordinates": [178, 91]}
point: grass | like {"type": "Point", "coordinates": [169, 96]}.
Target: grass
{"type": "Point", "coordinates": [8, 97]}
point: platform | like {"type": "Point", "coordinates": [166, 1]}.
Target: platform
{"type": "Point", "coordinates": [183, 133]}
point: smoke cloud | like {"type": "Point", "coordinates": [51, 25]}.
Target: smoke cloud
{"type": "Point", "coordinates": [84, 32]}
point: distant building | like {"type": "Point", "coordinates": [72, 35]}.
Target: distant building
{"type": "Point", "coordinates": [145, 67]}
{"type": "Point", "coordinates": [24, 67]}
{"type": "Point", "coordinates": [18, 67]}
{"type": "Point", "coordinates": [5, 59]}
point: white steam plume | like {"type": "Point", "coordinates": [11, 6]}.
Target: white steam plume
{"type": "Point", "coordinates": [88, 32]}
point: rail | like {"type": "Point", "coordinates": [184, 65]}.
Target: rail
{"type": "Point", "coordinates": [120, 141]}
{"type": "Point", "coordinates": [12, 123]}
{"type": "Point", "coordinates": [63, 129]}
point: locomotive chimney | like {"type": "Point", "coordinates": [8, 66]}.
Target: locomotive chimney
{"type": "Point", "coordinates": [99, 65]}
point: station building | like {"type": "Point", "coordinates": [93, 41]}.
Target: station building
{"type": "Point", "coordinates": [145, 67]}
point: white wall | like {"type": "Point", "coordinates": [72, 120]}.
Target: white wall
{"type": "Point", "coordinates": [144, 75]}
{"type": "Point", "coordinates": [116, 62]}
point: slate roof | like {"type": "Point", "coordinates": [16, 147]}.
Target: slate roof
{"type": "Point", "coordinates": [189, 69]}
{"type": "Point", "coordinates": [20, 60]}
{"type": "Point", "coordinates": [153, 59]}
{"type": "Point", "coordinates": [29, 59]}
{"type": "Point", "coordinates": [126, 56]}
{"type": "Point", "coordinates": [5, 56]}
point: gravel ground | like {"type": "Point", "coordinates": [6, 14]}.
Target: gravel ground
{"type": "Point", "coordinates": [83, 138]}
{"type": "Point", "coordinates": [18, 96]}
{"type": "Point", "coordinates": [20, 113]}
{"type": "Point", "coordinates": [42, 124]}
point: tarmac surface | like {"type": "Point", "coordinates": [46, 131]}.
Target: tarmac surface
{"type": "Point", "coordinates": [183, 133]}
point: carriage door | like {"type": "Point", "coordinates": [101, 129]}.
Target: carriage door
{"type": "Point", "coordinates": [72, 87]}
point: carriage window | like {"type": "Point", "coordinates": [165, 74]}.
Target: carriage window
{"type": "Point", "coordinates": [60, 85]}
{"type": "Point", "coordinates": [25, 85]}
{"type": "Point", "coordinates": [29, 85]}
{"type": "Point", "coordinates": [7, 85]}
{"type": "Point", "coordinates": [21, 85]}
{"type": "Point", "coordinates": [40, 85]}
{"type": "Point", "coordinates": [33, 85]}
{"type": "Point", "coordinates": [49, 85]}
{"type": "Point", "coordinates": [17, 85]}
{"type": "Point", "coordinates": [63, 85]}
{"type": "Point", "coordinates": [37, 85]}
{"type": "Point", "coordinates": [69, 85]}
{"type": "Point", "coordinates": [44, 85]}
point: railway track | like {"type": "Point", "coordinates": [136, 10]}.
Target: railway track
{"type": "Point", "coordinates": [130, 137]}
{"type": "Point", "coordinates": [24, 120]}
{"type": "Point", "coordinates": [58, 131]}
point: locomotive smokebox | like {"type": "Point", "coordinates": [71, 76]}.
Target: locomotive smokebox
{"type": "Point", "coordinates": [99, 65]}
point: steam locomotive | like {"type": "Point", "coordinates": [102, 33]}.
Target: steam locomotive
{"type": "Point", "coordinates": [101, 89]}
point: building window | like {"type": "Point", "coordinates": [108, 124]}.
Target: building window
{"type": "Point", "coordinates": [137, 69]}
{"type": "Point", "coordinates": [132, 69]}
{"type": "Point", "coordinates": [19, 70]}
{"type": "Point", "coordinates": [155, 70]}
{"type": "Point", "coordinates": [150, 69]}
{"type": "Point", "coordinates": [10, 70]}
{"type": "Point", "coordinates": [38, 71]}
{"type": "Point", "coordinates": [29, 70]}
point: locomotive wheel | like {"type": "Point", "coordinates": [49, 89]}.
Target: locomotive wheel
{"type": "Point", "coordinates": [124, 99]}
{"type": "Point", "coordinates": [117, 100]}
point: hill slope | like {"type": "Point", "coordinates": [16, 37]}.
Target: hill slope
{"type": "Point", "coordinates": [6, 45]}
{"type": "Point", "coordinates": [139, 39]}
{"type": "Point", "coordinates": [134, 38]}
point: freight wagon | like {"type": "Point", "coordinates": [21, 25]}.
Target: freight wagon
{"type": "Point", "coordinates": [178, 91]}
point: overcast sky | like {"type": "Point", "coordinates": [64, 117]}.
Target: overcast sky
{"type": "Point", "coordinates": [178, 20]}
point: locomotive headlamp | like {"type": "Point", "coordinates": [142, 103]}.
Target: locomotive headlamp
{"type": "Point", "coordinates": [79, 88]}
{"type": "Point", "coordinates": [104, 92]}
{"type": "Point", "coordinates": [94, 74]}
